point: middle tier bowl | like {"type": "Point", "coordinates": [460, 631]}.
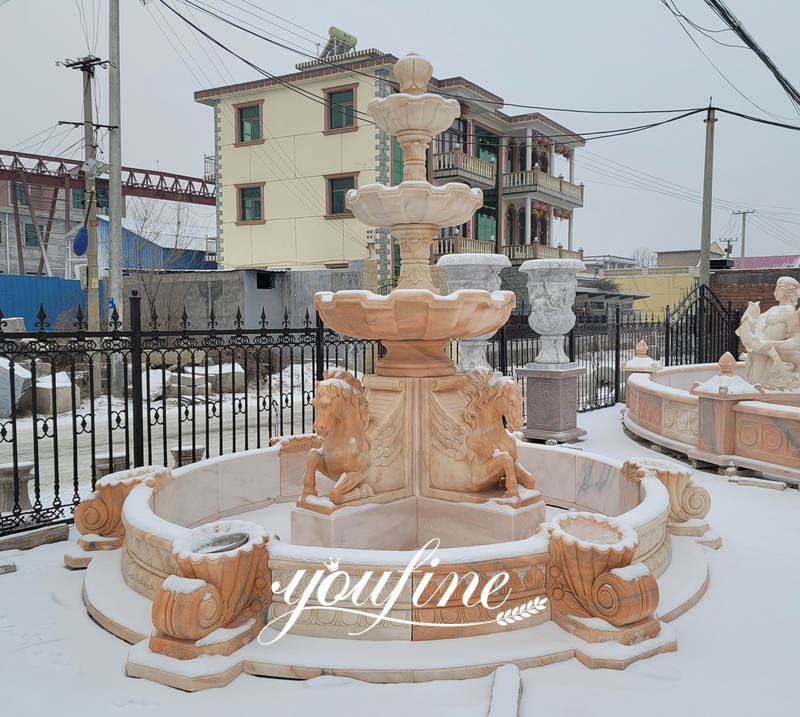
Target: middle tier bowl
{"type": "Point", "coordinates": [414, 202]}
{"type": "Point", "coordinates": [414, 325]}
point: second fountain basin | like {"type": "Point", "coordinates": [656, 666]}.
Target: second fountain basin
{"type": "Point", "coordinates": [414, 325]}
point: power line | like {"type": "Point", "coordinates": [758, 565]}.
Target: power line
{"type": "Point", "coordinates": [711, 62]}
{"type": "Point", "coordinates": [731, 21]}
{"type": "Point", "coordinates": [702, 30]}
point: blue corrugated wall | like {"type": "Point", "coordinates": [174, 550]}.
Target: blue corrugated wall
{"type": "Point", "coordinates": [22, 296]}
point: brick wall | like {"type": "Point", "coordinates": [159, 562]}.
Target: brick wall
{"type": "Point", "coordinates": [741, 286]}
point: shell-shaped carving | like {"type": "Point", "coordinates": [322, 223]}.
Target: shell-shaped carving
{"type": "Point", "coordinates": [92, 515]}
{"type": "Point", "coordinates": [101, 512]}
{"type": "Point", "coordinates": [584, 550]}
{"type": "Point", "coordinates": [188, 615]}
{"type": "Point", "coordinates": [695, 502]}
{"type": "Point", "coordinates": [687, 500]}
{"type": "Point", "coordinates": [621, 602]}
{"type": "Point", "coordinates": [241, 575]}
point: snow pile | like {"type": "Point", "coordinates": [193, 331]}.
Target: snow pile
{"type": "Point", "coordinates": [722, 384]}
{"type": "Point", "coordinates": [594, 531]}
{"type": "Point", "coordinates": [182, 586]}
{"type": "Point", "coordinates": [642, 363]}
{"type": "Point", "coordinates": [186, 545]}
{"type": "Point", "coordinates": [631, 572]}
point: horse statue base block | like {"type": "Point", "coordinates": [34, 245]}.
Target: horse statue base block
{"type": "Point", "coordinates": [408, 523]}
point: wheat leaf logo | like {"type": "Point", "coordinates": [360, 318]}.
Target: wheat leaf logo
{"type": "Point", "coordinates": [520, 612]}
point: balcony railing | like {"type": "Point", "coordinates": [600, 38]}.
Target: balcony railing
{"type": "Point", "coordinates": [455, 164]}
{"type": "Point", "coordinates": [523, 252]}
{"type": "Point", "coordinates": [461, 245]}
{"type": "Point", "coordinates": [558, 190]}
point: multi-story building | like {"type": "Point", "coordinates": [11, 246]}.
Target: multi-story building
{"type": "Point", "coordinates": [288, 148]}
{"type": "Point", "coordinates": [47, 206]}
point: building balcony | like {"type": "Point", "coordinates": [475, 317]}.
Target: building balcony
{"type": "Point", "coordinates": [518, 253]}
{"type": "Point", "coordinates": [544, 187]}
{"type": "Point", "coordinates": [455, 166]}
{"type": "Point", "coordinates": [460, 245]}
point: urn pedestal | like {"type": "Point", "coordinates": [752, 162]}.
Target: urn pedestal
{"type": "Point", "coordinates": [551, 402]}
{"type": "Point", "coordinates": [552, 379]}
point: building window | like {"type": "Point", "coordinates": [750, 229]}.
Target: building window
{"type": "Point", "coordinates": [544, 163]}
{"type": "Point", "coordinates": [79, 199]}
{"type": "Point", "coordinates": [453, 137]}
{"type": "Point", "coordinates": [510, 215]}
{"type": "Point", "coordinates": [543, 229]}
{"type": "Point", "coordinates": [248, 123]}
{"type": "Point", "coordinates": [340, 108]}
{"type": "Point", "coordinates": [264, 280]}
{"type": "Point", "coordinates": [338, 186]}
{"type": "Point", "coordinates": [250, 206]}
{"type": "Point", "coordinates": [30, 235]}
{"type": "Point", "coordinates": [20, 190]}
{"type": "Point", "coordinates": [521, 238]}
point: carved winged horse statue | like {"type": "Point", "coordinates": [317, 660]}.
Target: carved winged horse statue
{"type": "Point", "coordinates": [480, 439]}
{"type": "Point", "coordinates": [342, 419]}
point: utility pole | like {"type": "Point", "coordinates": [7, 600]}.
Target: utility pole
{"type": "Point", "coordinates": [87, 66]}
{"type": "Point", "coordinates": [744, 214]}
{"type": "Point", "coordinates": [114, 289]}
{"type": "Point", "coordinates": [705, 227]}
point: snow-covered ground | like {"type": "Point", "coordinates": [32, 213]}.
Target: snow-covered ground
{"type": "Point", "coordinates": [736, 648]}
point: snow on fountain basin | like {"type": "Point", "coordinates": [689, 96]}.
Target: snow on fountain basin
{"type": "Point", "coordinates": [250, 487]}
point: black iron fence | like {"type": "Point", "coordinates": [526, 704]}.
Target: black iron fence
{"type": "Point", "coordinates": [75, 405]}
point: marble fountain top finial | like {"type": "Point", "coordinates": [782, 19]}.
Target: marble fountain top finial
{"type": "Point", "coordinates": [413, 73]}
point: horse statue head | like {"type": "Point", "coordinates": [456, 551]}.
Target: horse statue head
{"type": "Point", "coordinates": [340, 395]}
{"type": "Point", "coordinates": [490, 397]}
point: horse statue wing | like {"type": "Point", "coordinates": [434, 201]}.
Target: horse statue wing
{"type": "Point", "coordinates": [387, 441]}
{"type": "Point", "coordinates": [449, 434]}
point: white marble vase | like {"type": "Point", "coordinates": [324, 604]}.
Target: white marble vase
{"type": "Point", "coordinates": [551, 290]}
{"type": "Point", "coordinates": [473, 271]}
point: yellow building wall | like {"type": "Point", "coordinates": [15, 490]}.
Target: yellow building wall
{"type": "Point", "coordinates": [664, 289]}
{"type": "Point", "coordinates": [292, 162]}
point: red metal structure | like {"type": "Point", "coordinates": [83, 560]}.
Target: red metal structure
{"type": "Point", "coordinates": [39, 172]}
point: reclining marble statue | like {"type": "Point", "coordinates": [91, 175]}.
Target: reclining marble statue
{"type": "Point", "coordinates": [772, 339]}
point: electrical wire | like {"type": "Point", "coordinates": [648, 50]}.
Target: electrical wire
{"type": "Point", "coordinates": [718, 70]}
{"type": "Point", "coordinates": [702, 30]}
{"type": "Point", "coordinates": [33, 136]}
{"type": "Point", "coordinates": [82, 18]}
{"type": "Point", "coordinates": [731, 21]}
{"type": "Point", "coordinates": [352, 72]}
{"type": "Point", "coordinates": [314, 43]}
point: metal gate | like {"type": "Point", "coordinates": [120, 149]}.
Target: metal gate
{"type": "Point", "coordinates": [700, 329]}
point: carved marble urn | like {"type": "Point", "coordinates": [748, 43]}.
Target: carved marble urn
{"type": "Point", "coordinates": [551, 289]}
{"type": "Point", "coordinates": [473, 271]}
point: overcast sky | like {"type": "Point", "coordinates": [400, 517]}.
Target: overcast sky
{"type": "Point", "coordinates": [620, 54]}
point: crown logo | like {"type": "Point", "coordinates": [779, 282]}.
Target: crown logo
{"type": "Point", "coordinates": [332, 564]}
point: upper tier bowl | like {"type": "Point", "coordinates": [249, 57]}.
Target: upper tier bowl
{"type": "Point", "coordinates": [413, 116]}
{"type": "Point", "coordinates": [414, 202]}
{"type": "Point", "coordinates": [414, 314]}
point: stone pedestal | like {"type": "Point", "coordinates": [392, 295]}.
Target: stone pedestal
{"type": "Point", "coordinates": [552, 401]}
{"type": "Point", "coordinates": [25, 472]}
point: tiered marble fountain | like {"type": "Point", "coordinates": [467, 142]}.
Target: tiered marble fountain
{"type": "Point", "coordinates": [193, 565]}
